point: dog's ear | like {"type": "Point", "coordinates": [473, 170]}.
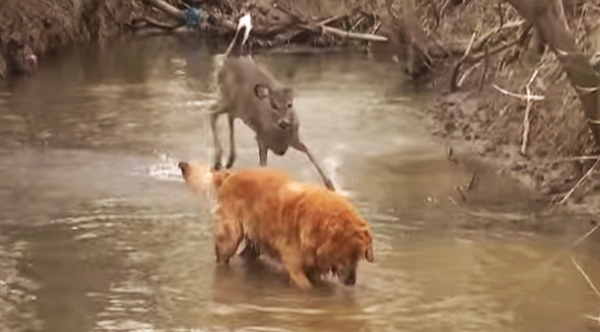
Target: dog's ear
{"type": "Point", "coordinates": [369, 254]}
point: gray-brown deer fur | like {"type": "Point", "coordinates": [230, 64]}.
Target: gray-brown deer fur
{"type": "Point", "coordinates": [249, 92]}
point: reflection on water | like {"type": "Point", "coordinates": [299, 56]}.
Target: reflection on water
{"type": "Point", "coordinates": [97, 232]}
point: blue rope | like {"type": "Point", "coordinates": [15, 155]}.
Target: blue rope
{"type": "Point", "coordinates": [194, 16]}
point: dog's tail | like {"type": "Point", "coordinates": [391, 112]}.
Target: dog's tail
{"type": "Point", "coordinates": [242, 32]}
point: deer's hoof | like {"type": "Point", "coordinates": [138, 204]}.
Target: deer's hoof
{"type": "Point", "coordinates": [329, 185]}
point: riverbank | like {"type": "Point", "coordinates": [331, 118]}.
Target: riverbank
{"type": "Point", "coordinates": [31, 29]}
{"type": "Point", "coordinates": [545, 142]}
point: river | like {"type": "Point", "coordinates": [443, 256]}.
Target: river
{"type": "Point", "coordinates": [98, 232]}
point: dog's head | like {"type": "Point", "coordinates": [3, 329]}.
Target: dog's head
{"type": "Point", "coordinates": [342, 261]}
{"type": "Point", "coordinates": [201, 178]}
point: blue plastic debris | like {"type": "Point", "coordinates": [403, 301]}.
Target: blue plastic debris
{"type": "Point", "coordinates": [194, 16]}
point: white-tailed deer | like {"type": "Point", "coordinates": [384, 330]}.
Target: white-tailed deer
{"type": "Point", "coordinates": [249, 92]}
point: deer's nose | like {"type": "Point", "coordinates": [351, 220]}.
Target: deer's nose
{"type": "Point", "coordinates": [284, 124]}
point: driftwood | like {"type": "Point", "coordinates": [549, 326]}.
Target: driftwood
{"type": "Point", "coordinates": [288, 25]}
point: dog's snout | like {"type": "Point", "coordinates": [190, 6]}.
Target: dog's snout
{"type": "Point", "coordinates": [284, 124]}
{"type": "Point", "coordinates": [351, 280]}
{"type": "Point", "coordinates": [183, 166]}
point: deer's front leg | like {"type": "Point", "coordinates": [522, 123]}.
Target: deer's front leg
{"type": "Point", "coordinates": [232, 155]}
{"type": "Point", "coordinates": [302, 147]}
{"type": "Point", "coordinates": [216, 141]}
{"type": "Point", "coordinates": [262, 154]}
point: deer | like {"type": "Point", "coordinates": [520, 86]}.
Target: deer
{"type": "Point", "coordinates": [248, 91]}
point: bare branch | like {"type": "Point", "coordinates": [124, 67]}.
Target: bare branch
{"type": "Point", "coordinates": [527, 111]}
{"type": "Point", "coordinates": [562, 201]}
{"type": "Point", "coordinates": [519, 96]}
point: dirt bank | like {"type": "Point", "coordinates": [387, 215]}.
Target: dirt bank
{"type": "Point", "coordinates": [488, 116]}
{"type": "Point", "coordinates": [30, 28]}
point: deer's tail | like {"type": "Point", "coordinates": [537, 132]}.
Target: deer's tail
{"type": "Point", "coordinates": [241, 36]}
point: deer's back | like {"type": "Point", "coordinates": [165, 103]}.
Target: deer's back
{"type": "Point", "coordinates": [237, 80]}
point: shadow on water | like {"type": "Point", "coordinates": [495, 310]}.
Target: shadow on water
{"type": "Point", "coordinates": [97, 232]}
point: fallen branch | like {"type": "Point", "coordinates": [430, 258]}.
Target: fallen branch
{"type": "Point", "coordinates": [167, 8]}
{"type": "Point", "coordinates": [562, 201]}
{"type": "Point", "coordinates": [304, 24]}
{"type": "Point", "coordinates": [165, 26]}
{"type": "Point", "coordinates": [274, 29]}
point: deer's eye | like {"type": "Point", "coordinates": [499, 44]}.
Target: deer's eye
{"type": "Point", "coordinates": [289, 105]}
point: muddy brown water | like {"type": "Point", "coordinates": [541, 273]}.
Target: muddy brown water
{"type": "Point", "coordinates": [98, 233]}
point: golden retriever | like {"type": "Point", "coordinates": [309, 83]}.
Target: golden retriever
{"type": "Point", "coordinates": [311, 229]}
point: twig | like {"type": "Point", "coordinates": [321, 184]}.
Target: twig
{"type": "Point", "coordinates": [332, 19]}
{"type": "Point", "coordinates": [585, 276]}
{"type": "Point", "coordinates": [594, 318]}
{"type": "Point", "coordinates": [585, 235]}
{"type": "Point", "coordinates": [462, 194]}
{"type": "Point", "coordinates": [577, 158]}
{"type": "Point", "coordinates": [526, 123]}
{"type": "Point", "coordinates": [485, 69]}
{"type": "Point", "coordinates": [354, 35]}
{"type": "Point", "coordinates": [473, 181]}
{"type": "Point", "coordinates": [489, 34]}
{"type": "Point", "coordinates": [468, 50]}
{"type": "Point", "coordinates": [450, 155]}
{"type": "Point", "coordinates": [519, 96]}
{"type": "Point", "coordinates": [562, 201]}
{"type": "Point", "coordinates": [466, 74]}
{"type": "Point", "coordinates": [360, 20]}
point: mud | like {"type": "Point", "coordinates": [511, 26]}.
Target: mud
{"type": "Point", "coordinates": [480, 122]}
{"type": "Point", "coordinates": [30, 28]}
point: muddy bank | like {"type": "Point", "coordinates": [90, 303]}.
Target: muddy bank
{"type": "Point", "coordinates": [29, 29]}
{"type": "Point", "coordinates": [488, 116]}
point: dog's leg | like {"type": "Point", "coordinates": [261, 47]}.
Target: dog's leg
{"type": "Point", "coordinates": [313, 275]}
{"type": "Point", "coordinates": [227, 239]}
{"type": "Point", "coordinates": [294, 267]}
{"type": "Point", "coordinates": [232, 154]}
{"type": "Point", "coordinates": [250, 251]}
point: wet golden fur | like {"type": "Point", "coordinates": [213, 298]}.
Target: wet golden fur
{"type": "Point", "coordinates": [311, 229]}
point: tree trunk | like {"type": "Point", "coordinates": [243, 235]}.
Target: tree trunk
{"type": "Point", "coordinates": [549, 19]}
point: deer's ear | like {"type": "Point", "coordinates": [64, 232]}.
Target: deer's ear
{"type": "Point", "coordinates": [262, 91]}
